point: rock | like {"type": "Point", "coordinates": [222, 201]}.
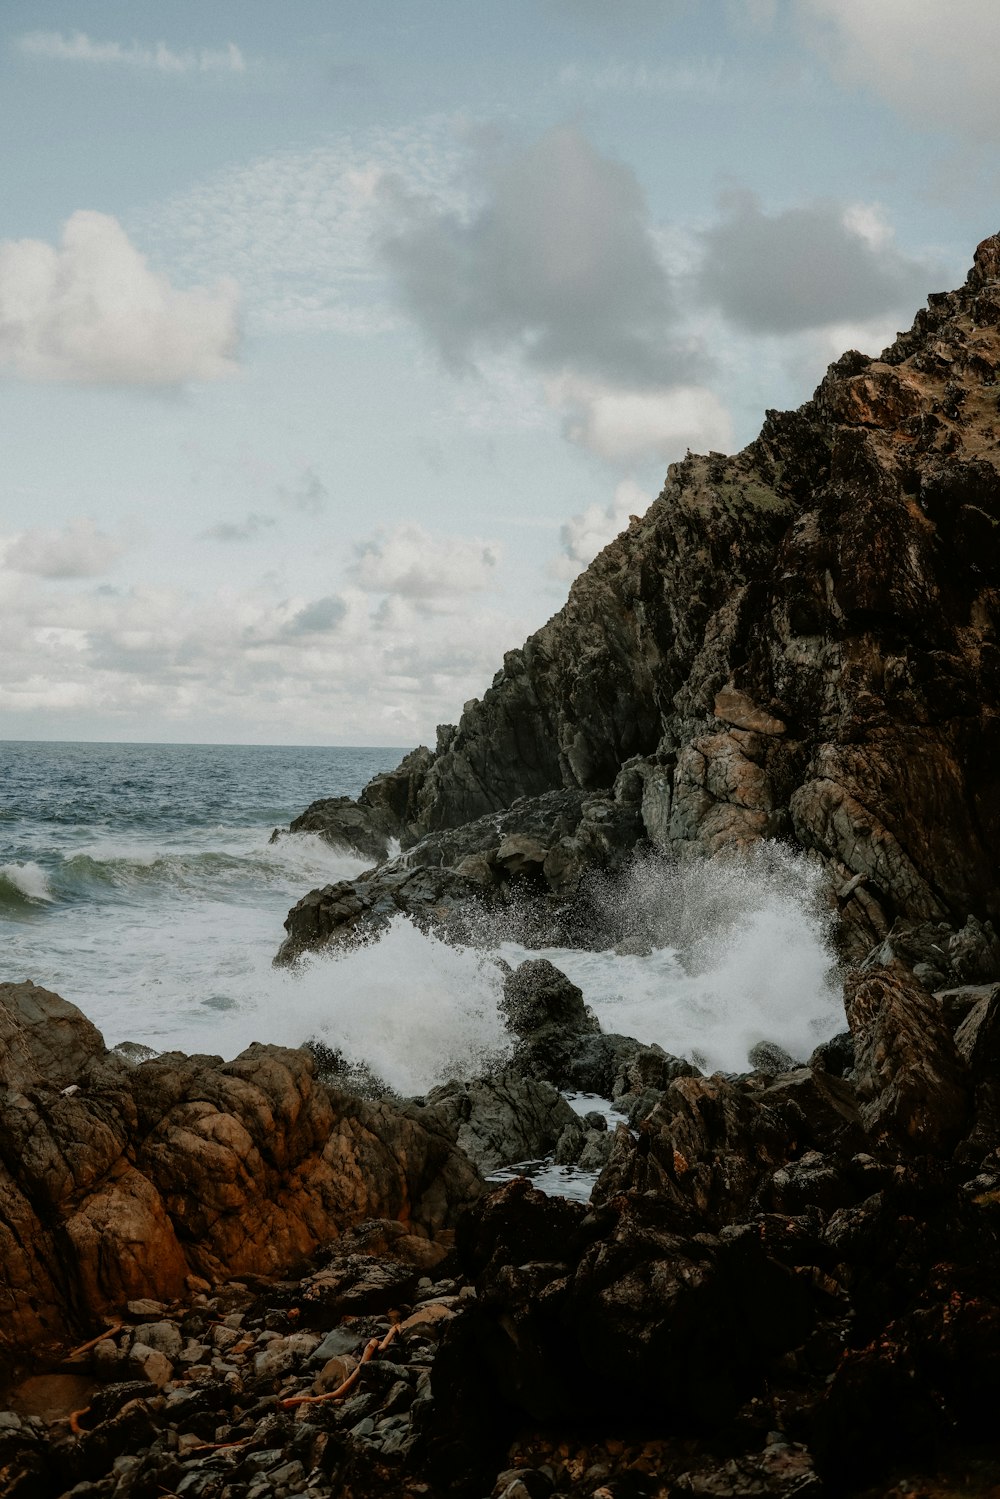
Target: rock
{"type": "Point", "coordinates": [501, 1119]}
{"type": "Point", "coordinates": [706, 1147]}
{"type": "Point", "coordinates": [910, 1078]}
{"type": "Point", "coordinates": [458, 880]}
{"type": "Point", "coordinates": [344, 824]}
{"type": "Point", "coordinates": [769, 1057]}
{"type": "Point", "coordinates": [185, 1166]}
{"type": "Point", "coordinates": [783, 1468]}
{"type": "Point", "coordinates": [546, 1012]}
{"type": "Point", "coordinates": [150, 1364]}
{"type": "Point", "coordinates": [796, 641]}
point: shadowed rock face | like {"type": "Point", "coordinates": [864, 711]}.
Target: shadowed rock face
{"type": "Point", "coordinates": [119, 1182]}
{"type": "Point", "coordinates": [799, 641]}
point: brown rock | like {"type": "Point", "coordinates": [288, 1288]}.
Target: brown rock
{"type": "Point", "coordinates": [186, 1167]}
{"type": "Point", "coordinates": [911, 1081]}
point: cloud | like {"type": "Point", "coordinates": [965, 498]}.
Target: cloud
{"type": "Point", "coordinates": [933, 62]}
{"type": "Point", "coordinates": [300, 225]}
{"type": "Point", "coordinates": [805, 267]}
{"type": "Point", "coordinates": [93, 312]}
{"type": "Point", "coordinates": [237, 664]}
{"type": "Point", "coordinates": [79, 550]}
{"type": "Point", "coordinates": [318, 618]}
{"type": "Point", "coordinates": [238, 530]}
{"type": "Point", "coordinates": [309, 495]}
{"type": "Point", "coordinates": [159, 58]}
{"type": "Point", "coordinates": [624, 426]}
{"type": "Point", "coordinates": [558, 261]}
{"type": "Point", "coordinates": [588, 533]}
{"type": "Point", "coordinates": [411, 564]}
{"type": "Point", "coordinates": [701, 77]}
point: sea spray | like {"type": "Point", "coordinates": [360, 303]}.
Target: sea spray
{"type": "Point", "coordinates": [730, 952]}
{"type": "Point", "coordinates": [714, 956]}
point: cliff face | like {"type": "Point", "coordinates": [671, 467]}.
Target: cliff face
{"type": "Point", "coordinates": [799, 641]}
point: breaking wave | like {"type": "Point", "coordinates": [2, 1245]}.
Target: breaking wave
{"type": "Point", "coordinates": [716, 957]}
{"type": "Point", "coordinates": [24, 882]}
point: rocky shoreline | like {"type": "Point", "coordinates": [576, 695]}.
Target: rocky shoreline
{"type": "Point", "coordinates": [267, 1277]}
{"type": "Point", "coordinates": [786, 1282]}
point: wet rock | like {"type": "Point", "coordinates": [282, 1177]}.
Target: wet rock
{"type": "Point", "coordinates": [344, 824]}
{"type": "Point", "coordinates": [769, 1057]}
{"type": "Point", "coordinates": [706, 1147]}
{"type": "Point", "coordinates": [502, 1119]}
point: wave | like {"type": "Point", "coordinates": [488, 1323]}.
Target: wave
{"type": "Point", "coordinates": [715, 956]}
{"type": "Point", "coordinates": [23, 882]}
{"type": "Point", "coordinates": [118, 869]}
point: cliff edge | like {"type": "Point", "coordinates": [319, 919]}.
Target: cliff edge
{"type": "Point", "coordinates": [796, 642]}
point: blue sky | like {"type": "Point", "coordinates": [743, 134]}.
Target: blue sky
{"type": "Point", "coordinates": [336, 339]}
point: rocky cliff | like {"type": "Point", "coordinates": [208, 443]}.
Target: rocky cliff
{"type": "Point", "coordinates": [796, 642]}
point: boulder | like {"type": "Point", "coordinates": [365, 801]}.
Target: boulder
{"type": "Point", "coordinates": [119, 1182]}
{"type": "Point", "coordinates": [502, 1119]}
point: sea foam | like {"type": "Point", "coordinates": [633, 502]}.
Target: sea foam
{"type": "Point", "coordinates": [722, 954]}
{"type": "Point", "coordinates": [25, 880]}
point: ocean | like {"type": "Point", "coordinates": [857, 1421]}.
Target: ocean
{"type": "Point", "coordinates": [138, 881]}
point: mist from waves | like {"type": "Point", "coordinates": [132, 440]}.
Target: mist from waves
{"type": "Point", "coordinates": [717, 956]}
{"type": "Point", "coordinates": [714, 956]}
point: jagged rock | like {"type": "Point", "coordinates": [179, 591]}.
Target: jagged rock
{"type": "Point", "coordinates": [144, 1175]}
{"type": "Point", "coordinates": [484, 876]}
{"type": "Point", "coordinates": [705, 1147]}
{"type": "Point", "coordinates": [344, 824]}
{"type": "Point", "coordinates": [797, 642]}
{"type": "Point", "coordinates": [910, 1078]}
{"type": "Point", "coordinates": [501, 1119]}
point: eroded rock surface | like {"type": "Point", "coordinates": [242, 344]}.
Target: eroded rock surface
{"type": "Point", "coordinates": [121, 1181]}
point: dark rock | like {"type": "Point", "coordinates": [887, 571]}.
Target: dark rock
{"type": "Point", "coordinates": [910, 1078]}
{"type": "Point", "coordinates": [706, 1147]}
{"type": "Point", "coordinates": [769, 1057]}
{"type": "Point", "coordinates": [835, 1056]}
{"type": "Point", "coordinates": [796, 642]}
{"type": "Point", "coordinates": [345, 824]}
{"type": "Point", "coordinates": [502, 1119]}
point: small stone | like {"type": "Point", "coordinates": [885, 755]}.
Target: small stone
{"type": "Point", "coordinates": [334, 1372]}
{"type": "Point", "coordinates": [149, 1363]}
{"type": "Point", "coordinates": [164, 1336]}
{"type": "Point", "coordinates": [144, 1307]}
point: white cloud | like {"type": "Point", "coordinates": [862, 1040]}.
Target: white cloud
{"type": "Point", "coordinates": [264, 665]}
{"type": "Point", "coordinates": [623, 426]}
{"type": "Point", "coordinates": [588, 533]}
{"type": "Point", "coordinates": [92, 311]}
{"type": "Point", "coordinates": [79, 550]}
{"type": "Point", "coordinates": [934, 62]}
{"type": "Point", "coordinates": [79, 47]}
{"type": "Point", "coordinates": [411, 564]}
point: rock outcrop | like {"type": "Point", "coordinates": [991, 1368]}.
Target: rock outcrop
{"type": "Point", "coordinates": [121, 1181]}
{"type": "Point", "coordinates": [796, 642]}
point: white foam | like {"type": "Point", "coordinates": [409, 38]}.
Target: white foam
{"type": "Point", "coordinates": [735, 951]}
{"type": "Point", "coordinates": [28, 878]}
{"type": "Point", "coordinates": [728, 953]}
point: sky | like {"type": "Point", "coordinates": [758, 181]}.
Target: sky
{"type": "Point", "coordinates": [337, 338]}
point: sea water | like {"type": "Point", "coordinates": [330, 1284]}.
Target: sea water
{"type": "Point", "coordinates": [139, 882]}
